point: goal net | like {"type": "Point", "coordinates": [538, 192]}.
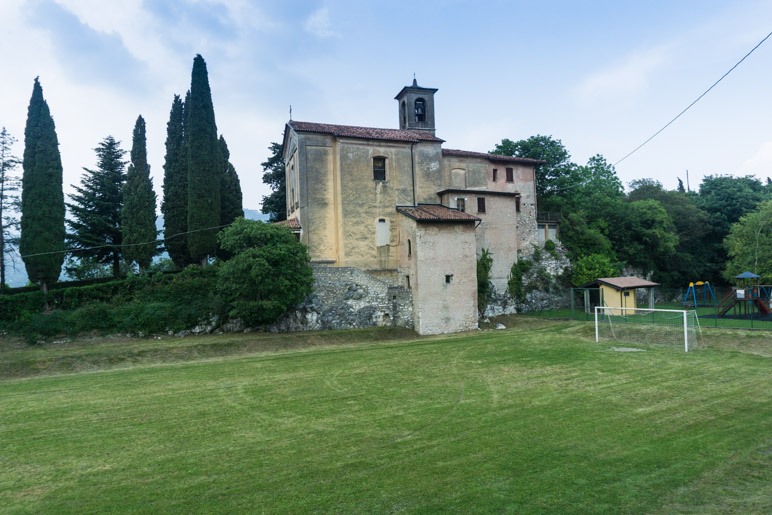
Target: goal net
{"type": "Point", "coordinates": [672, 327]}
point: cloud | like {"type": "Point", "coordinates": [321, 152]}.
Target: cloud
{"type": "Point", "coordinates": [85, 54]}
{"type": "Point", "coordinates": [319, 24]}
{"type": "Point", "coordinates": [630, 77]}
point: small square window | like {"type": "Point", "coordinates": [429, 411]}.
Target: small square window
{"type": "Point", "coordinates": [461, 204]}
{"type": "Point", "coordinates": [448, 278]}
{"type": "Point", "coordinates": [481, 204]}
{"type": "Point", "coordinates": [510, 174]}
{"type": "Point", "coordinates": [379, 168]}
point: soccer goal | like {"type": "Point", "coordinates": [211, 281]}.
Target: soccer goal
{"type": "Point", "coordinates": [676, 327]}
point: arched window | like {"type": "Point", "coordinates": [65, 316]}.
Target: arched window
{"type": "Point", "coordinates": [420, 110]}
{"type": "Point", "coordinates": [379, 168]}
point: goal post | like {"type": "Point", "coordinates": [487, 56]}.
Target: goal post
{"type": "Point", "coordinates": [672, 327]}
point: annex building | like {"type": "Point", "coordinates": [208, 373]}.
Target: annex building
{"type": "Point", "coordinates": [397, 205]}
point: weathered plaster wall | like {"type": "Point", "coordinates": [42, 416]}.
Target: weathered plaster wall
{"type": "Point", "coordinates": [368, 201]}
{"type": "Point", "coordinates": [498, 232]}
{"type": "Point", "coordinates": [428, 171]}
{"type": "Point", "coordinates": [318, 196]}
{"type": "Point", "coordinates": [445, 289]}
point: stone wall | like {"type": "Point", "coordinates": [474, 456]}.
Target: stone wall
{"type": "Point", "coordinates": [347, 298]}
{"type": "Point", "coordinates": [544, 290]}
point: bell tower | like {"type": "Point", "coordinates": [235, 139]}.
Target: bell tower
{"type": "Point", "coordinates": [416, 107]}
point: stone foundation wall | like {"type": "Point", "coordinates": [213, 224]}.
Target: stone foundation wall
{"type": "Point", "coordinates": [347, 298]}
{"type": "Point", "coordinates": [539, 296]}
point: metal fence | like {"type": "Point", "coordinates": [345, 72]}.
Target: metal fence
{"type": "Point", "coordinates": [730, 309]}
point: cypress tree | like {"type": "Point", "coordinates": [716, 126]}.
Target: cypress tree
{"type": "Point", "coordinates": [230, 189]}
{"type": "Point", "coordinates": [42, 199]}
{"type": "Point", "coordinates": [138, 215]}
{"type": "Point", "coordinates": [275, 204]}
{"type": "Point", "coordinates": [175, 202]}
{"type": "Point", "coordinates": [95, 219]}
{"type": "Point", "coordinates": [204, 163]}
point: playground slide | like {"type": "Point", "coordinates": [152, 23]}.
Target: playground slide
{"type": "Point", "coordinates": [763, 306]}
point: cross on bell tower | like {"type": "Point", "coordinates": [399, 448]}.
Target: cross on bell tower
{"type": "Point", "coordinates": [416, 107]}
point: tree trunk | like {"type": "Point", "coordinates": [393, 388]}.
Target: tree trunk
{"type": "Point", "coordinates": [44, 289]}
{"type": "Point", "coordinates": [2, 254]}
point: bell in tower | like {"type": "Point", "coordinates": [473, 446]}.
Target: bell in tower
{"type": "Point", "coordinates": [416, 107]}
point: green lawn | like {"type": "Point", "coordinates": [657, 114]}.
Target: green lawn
{"type": "Point", "coordinates": [533, 419]}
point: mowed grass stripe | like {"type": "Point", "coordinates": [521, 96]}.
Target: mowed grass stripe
{"type": "Point", "coordinates": [530, 420]}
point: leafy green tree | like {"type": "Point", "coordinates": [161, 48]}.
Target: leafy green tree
{"type": "Point", "coordinates": [95, 221]}
{"type": "Point", "coordinates": [230, 188]}
{"type": "Point", "coordinates": [42, 199]}
{"type": "Point", "coordinates": [726, 199]}
{"type": "Point", "coordinates": [138, 214]}
{"type": "Point", "coordinates": [591, 267]}
{"type": "Point", "coordinates": [204, 164]}
{"type": "Point", "coordinates": [582, 238]}
{"type": "Point", "coordinates": [175, 187]}
{"type": "Point", "coordinates": [590, 197]}
{"type": "Point", "coordinates": [9, 201]}
{"type": "Point", "coordinates": [268, 274]}
{"type": "Point", "coordinates": [275, 204]}
{"type": "Point", "coordinates": [749, 244]}
{"type": "Point", "coordinates": [691, 224]}
{"type": "Point", "coordinates": [593, 188]}
{"type": "Point", "coordinates": [644, 236]}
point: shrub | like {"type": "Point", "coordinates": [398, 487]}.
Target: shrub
{"type": "Point", "coordinates": [594, 266]}
{"type": "Point", "coordinates": [91, 317]}
{"type": "Point", "coordinates": [45, 325]}
{"type": "Point", "coordinates": [268, 274]}
{"type": "Point", "coordinates": [484, 287]}
{"type": "Point", "coordinates": [515, 283]}
{"type": "Point", "coordinates": [149, 318]}
{"type": "Point", "coordinates": [551, 248]}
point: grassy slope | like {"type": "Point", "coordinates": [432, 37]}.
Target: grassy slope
{"type": "Point", "coordinates": [536, 419]}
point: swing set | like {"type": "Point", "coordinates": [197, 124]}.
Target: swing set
{"type": "Point", "coordinates": [700, 294]}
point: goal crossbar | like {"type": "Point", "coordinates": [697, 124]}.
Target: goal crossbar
{"type": "Point", "coordinates": [645, 325]}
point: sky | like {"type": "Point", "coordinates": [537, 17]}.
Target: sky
{"type": "Point", "coordinates": [601, 76]}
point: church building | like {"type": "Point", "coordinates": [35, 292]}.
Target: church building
{"type": "Point", "coordinates": [397, 205]}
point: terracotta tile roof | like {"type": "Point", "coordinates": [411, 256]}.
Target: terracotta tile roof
{"type": "Point", "coordinates": [626, 283]}
{"type": "Point", "coordinates": [350, 131]}
{"type": "Point", "coordinates": [436, 213]}
{"type": "Point", "coordinates": [449, 152]}
{"type": "Point", "coordinates": [481, 192]}
{"type": "Point", "coordinates": [292, 223]}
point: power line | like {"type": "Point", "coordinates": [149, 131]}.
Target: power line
{"type": "Point", "coordinates": [697, 100]}
{"type": "Point", "coordinates": [116, 245]}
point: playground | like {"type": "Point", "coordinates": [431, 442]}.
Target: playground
{"type": "Point", "coordinates": [747, 300]}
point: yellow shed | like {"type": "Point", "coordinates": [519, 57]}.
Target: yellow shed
{"type": "Point", "coordinates": [619, 292]}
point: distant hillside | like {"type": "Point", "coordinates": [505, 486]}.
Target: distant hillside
{"type": "Point", "coordinates": [17, 276]}
{"type": "Point", "coordinates": [254, 214]}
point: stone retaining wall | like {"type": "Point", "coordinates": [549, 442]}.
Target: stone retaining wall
{"type": "Point", "coordinates": [346, 298]}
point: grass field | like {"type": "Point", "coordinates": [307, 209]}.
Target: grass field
{"type": "Point", "coordinates": [533, 419]}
